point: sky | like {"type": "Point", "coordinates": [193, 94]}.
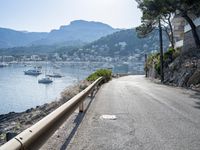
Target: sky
{"type": "Point", "coordinates": [45, 15]}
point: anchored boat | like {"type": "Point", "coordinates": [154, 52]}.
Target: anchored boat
{"type": "Point", "coordinates": [33, 72]}
{"type": "Point", "coordinates": [55, 75]}
{"type": "Point", "coordinates": [45, 80]}
{"type": "Point", "coordinates": [3, 64]}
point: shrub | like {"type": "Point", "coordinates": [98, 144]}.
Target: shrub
{"type": "Point", "coordinates": [105, 73]}
{"type": "Point", "coordinates": [153, 60]}
{"type": "Point", "coordinates": [169, 54]}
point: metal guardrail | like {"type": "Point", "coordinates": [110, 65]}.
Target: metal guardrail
{"type": "Point", "coordinates": [35, 136]}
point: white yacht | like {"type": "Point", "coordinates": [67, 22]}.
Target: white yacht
{"type": "Point", "coordinates": [45, 80]}
{"type": "Point", "coordinates": [3, 64]}
{"type": "Point", "coordinates": [33, 72]}
{"type": "Point", "coordinates": [55, 75]}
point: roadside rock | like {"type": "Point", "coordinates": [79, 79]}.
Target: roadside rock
{"type": "Point", "coordinates": [184, 71]}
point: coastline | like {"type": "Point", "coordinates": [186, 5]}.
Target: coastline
{"type": "Point", "coordinates": [17, 122]}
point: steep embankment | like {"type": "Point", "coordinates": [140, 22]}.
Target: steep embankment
{"type": "Point", "coordinates": [184, 71]}
{"type": "Point", "coordinates": [180, 69]}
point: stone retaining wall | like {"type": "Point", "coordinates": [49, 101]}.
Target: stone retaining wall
{"type": "Point", "coordinates": [189, 42]}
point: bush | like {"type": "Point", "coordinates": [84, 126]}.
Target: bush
{"type": "Point", "coordinates": [105, 73]}
{"type": "Point", "coordinates": [169, 54]}
{"type": "Point", "coordinates": [153, 59]}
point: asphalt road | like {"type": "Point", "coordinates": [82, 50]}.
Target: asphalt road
{"type": "Point", "coordinates": [150, 116]}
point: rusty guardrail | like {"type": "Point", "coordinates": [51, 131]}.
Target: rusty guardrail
{"type": "Point", "coordinates": [35, 136]}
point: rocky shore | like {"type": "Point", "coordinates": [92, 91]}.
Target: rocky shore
{"type": "Point", "coordinates": [17, 122]}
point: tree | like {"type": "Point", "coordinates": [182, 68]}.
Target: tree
{"type": "Point", "coordinates": [185, 8]}
{"type": "Point", "coordinates": [168, 28]}
{"type": "Point", "coordinates": [153, 12]}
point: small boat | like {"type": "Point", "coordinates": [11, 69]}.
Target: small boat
{"type": "Point", "coordinates": [33, 72]}
{"type": "Point", "coordinates": [56, 66]}
{"type": "Point", "coordinates": [3, 64]}
{"type": "Point", "coordinates": [38, 67]}
{"type": "Point", "coordinates": [55, 75]}
{"type": "Point", "coordinates": [45, 80]}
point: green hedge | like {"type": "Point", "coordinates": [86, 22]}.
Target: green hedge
{"type": "Point", "coordinates": [107, 74]}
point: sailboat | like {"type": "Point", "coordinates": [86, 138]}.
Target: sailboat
{"type": "Point", "coordinates": [33, 72]}
{"type": "Point", "coordinates": [46, 79]}
{"type": "Point", "coordinates": [3, 64]}
{"type": "Point", "coordinates": [55, 74]}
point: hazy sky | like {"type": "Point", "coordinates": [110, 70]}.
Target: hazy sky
{"type": "Point", "coordinates": [44, 15]}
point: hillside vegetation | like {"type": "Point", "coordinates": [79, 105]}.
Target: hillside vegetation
{"type": "Point", "coordinates": [119, 44]}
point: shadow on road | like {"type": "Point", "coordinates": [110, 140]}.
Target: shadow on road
{"type": "Point", "coordinates": [196, 95]}
{"type": "Point", "coordinates": [77, 121]}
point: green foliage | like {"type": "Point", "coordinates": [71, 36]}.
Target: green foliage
{"type": "Point", "coordinates": [153, 60]}
{"type": "Point", "coordinates": [109, 45]}
{"type": "Point", "coordinates": [171, 54]}
{"type": "Point", "coordinates": [105, 73]}
{"type": "Point", "coordinates": [154, 10]}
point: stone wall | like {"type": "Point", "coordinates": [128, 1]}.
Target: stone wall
{"type": "Point", "coordinates": [189, 42]}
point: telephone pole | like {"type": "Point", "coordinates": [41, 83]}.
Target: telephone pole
{"type": "Point", "coordinates": [161, 53]}
{"type": "Point", "coordinates": [145, 65]}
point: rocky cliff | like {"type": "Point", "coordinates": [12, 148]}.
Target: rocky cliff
{"type": "Point", "coordinates": [184, 71]}
{"type": "Point", "coordinates": [181, 70]}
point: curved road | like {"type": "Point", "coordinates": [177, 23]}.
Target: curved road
{"type": "Point", "coordinates": [150, 116]}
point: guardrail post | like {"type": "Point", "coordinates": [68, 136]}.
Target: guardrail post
{"type": "Point", "coordinates": [81, 107]}
{"type": "Point", "coordinates": [92, 93]}
{"type": "Point", "coordinates": [10, 135]}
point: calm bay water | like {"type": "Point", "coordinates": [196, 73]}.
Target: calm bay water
{"type": "Point", "coordinates": [19, 92]}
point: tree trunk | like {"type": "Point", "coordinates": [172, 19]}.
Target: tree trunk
{"type": "Point", "coordinates": [165, 29]}
{"type": "Point", "coordinates": [171, 30]}
{"type": "Point", "coordinates": [194, 29]}
{"type": "Point", "coordinates": [161, 53]}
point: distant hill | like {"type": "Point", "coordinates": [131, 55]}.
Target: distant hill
{"type": "Point", "coordinates": [79, 31]}
{"type": "Point", "coordinates": [122, 43]}
{"type": "Point", "coordinates": [12, 38]}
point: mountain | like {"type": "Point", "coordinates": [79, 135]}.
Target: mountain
{"type": "Point", "coordinates": [78, 31]}
{"type": "Point", "coordinates": [12, 38]}
{"type": "Point", "coordinates": [123, 43]}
